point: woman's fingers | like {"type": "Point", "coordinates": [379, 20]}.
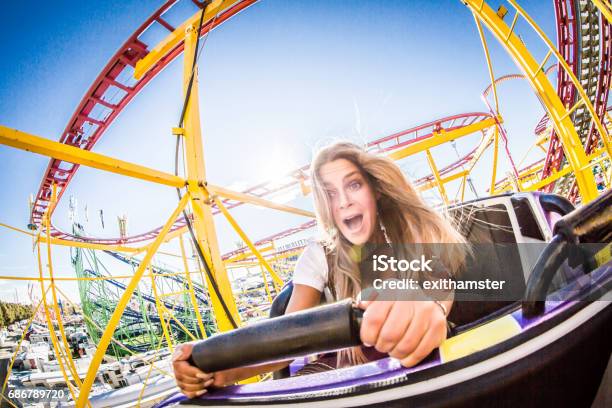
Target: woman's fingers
{"type": "Point", "coordinates": [191, 387]}
{"type": "Point", "coordinates": [191, 380]}
{"type": "Point", "coordinates": [187, 370]}
{"type": "Point", "coordinates": [395, 326]}
{"type": "Point", "coordinates": [432, 339]}
{"type": "Point", "coordinates": [187, 380]}
{"type": "Point", "coordinates": [195, 390]}
{"type": "Point", "coordinates": [179, 361]}
{"type": "Point", "coordinates": [413, 334]}
{"type": "Point", "coordinates": [195, 394]}
{"type": "Point", "coordinates": [195, 387]}
{"type": "Point", "coordinates": [374, 318]}
{"type": "Point", "coordinates": [205, 376]}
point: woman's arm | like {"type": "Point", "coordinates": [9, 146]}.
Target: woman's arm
{"type": "Point", "coordinates": [303, 297]}
{"type": "Point", "coordinates": [193, 382]}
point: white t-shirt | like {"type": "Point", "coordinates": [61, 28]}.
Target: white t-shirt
{"type": "Point", "coordinates": [311, 267]}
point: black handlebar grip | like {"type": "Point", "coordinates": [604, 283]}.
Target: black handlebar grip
{"type": "Point", "coordinates": [324, 328]}
{"type": "Point", "coordinates": [592, 217]}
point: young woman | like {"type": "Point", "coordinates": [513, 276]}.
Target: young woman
{"type": "Point", "coordinates": [364, 205]}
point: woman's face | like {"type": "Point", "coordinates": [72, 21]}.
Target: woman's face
{"type": "Point", "coordinates": [352, 200]}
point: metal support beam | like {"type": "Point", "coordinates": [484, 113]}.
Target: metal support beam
{"type": "Point", "coordinates": [203, 222]}
{"type": "Point", "coordinates": [278, 282]}
{"type": "Point", "coordinates": [190, 284]}
{"type": "Point", "coordinates": [495, 155]}
{"type": "Point", "coordinates": [61, 151]}
{"type": "Point", "coordinates": [247, 198]}
{"type": "Point", "coordinates": [445, 180]}
{"type": "Point", "coordinates": [441, 137]}
{"type": "Point", "coordinates": [434, 171]}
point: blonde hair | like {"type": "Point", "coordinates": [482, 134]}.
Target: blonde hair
{"type": "Point", "coordinates": [406, 217]}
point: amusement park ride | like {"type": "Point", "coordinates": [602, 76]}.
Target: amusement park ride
{"type": "Point", "coordinates": [157, 307]}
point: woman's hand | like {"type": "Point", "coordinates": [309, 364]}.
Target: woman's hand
{"type": "Point", "coordinates": [192, 381]}
{"type": "Point", "coordinates": [406, 330]}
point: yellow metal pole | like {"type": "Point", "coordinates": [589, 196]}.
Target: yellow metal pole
{"type": "Point", "coordinates": [146, 379]}
{"type": "Point", "coordinates": [194, 301]}
{"type": "Point", "coordinates": [487, 139]}
{"type": "Point", "coordinates": [432, 184]}
{"type": "Point", "coordinates": [160, 312]}
{"type": "Point", "coordinates": [246, 198]}
{"type": "Point", "coordinates": [63, 356]}
{"type": "Point", "coordinates": [60, 323]}
{"type": "Point", "coordinates": [58, 315]}
{"type": "Point", "coordinates": [247, 241]}
{"type": "Point", "coordinates": [203, 222]}
{"type": "Point", "coordinates": [61, 151]}
{"type": "Point", "coordinates": [247, 254]}
{"type": "Point", "coordinates": [483, 40]}
{"type": "Point", "coordinates": [555, 176]}
{"type": "Point", "coordinates": [203, 279]}
{"type": "Point", "coordinates": [520, 163]}
{"type": "Point", "coordinates": [18, 348]}
{"type": "Point", "coordinates": [89, 245]}
{"type": "Point", "coordinates": [525, 175]}
{"type": "Point", "coordinates": [277, 288]}
{"type": "Point", "coordinates": [178, 322]}
{"type": "Point", "coordinates": [176, 233]}
{"type": "Point", "coordinates": [86, 278]}
{"type": "Point", "coordinates": [441, 138]}
{"type": "Point", "coordinates": [263, 275]}
{"type": "Point", "coordinates": [117, 342]}
{"type": "Point", "coordinates": [127, 294]}
{"type": "Point", "coordinates": [75, 244]}
{"type": "Point", "coordinates": [439, 182]}
{"type": "Point", "coordinates": [9, 402]}
{"type": "Point", "coordinates": [52, 335]}
{"type": "Point", "coordinates": [495, 156]}
{"type": "Point", "coordinates": [605, 8]}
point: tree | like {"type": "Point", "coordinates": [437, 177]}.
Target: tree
{"type": "Point", "coordinates": [12, 312]}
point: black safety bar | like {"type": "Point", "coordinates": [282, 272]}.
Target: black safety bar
{"type": "Point", "coordinates": [324, 328]}
{"type": "Point", "coordinates": [588, 220]}
{"type": "Point", "coordinates": [556, 203]}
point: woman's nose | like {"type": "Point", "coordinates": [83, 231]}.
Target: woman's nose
{"type": "Point", "coordinates": [343, 199]}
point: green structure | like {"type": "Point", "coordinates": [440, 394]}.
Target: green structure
{"type": "Point", "coordinates": [140, 328]}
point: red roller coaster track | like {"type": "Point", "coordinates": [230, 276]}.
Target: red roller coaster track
{"type": "Point", "coordinates": [83, 130]}
{"type": "Point", "coordinates": [584, 41]}
{"type": "Point", "coordinates": [567, 43]}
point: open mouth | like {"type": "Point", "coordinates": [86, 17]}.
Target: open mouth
{"type": "Point", "coordinates": [353, 222]}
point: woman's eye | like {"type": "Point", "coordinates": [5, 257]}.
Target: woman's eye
{"type": "Point", "coordinates": [355, 185]}
{"type": "Point", "coordinates": [331, 193]}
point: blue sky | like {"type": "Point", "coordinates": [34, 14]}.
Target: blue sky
{"type": "Point", "coordinates": [276, 81]}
